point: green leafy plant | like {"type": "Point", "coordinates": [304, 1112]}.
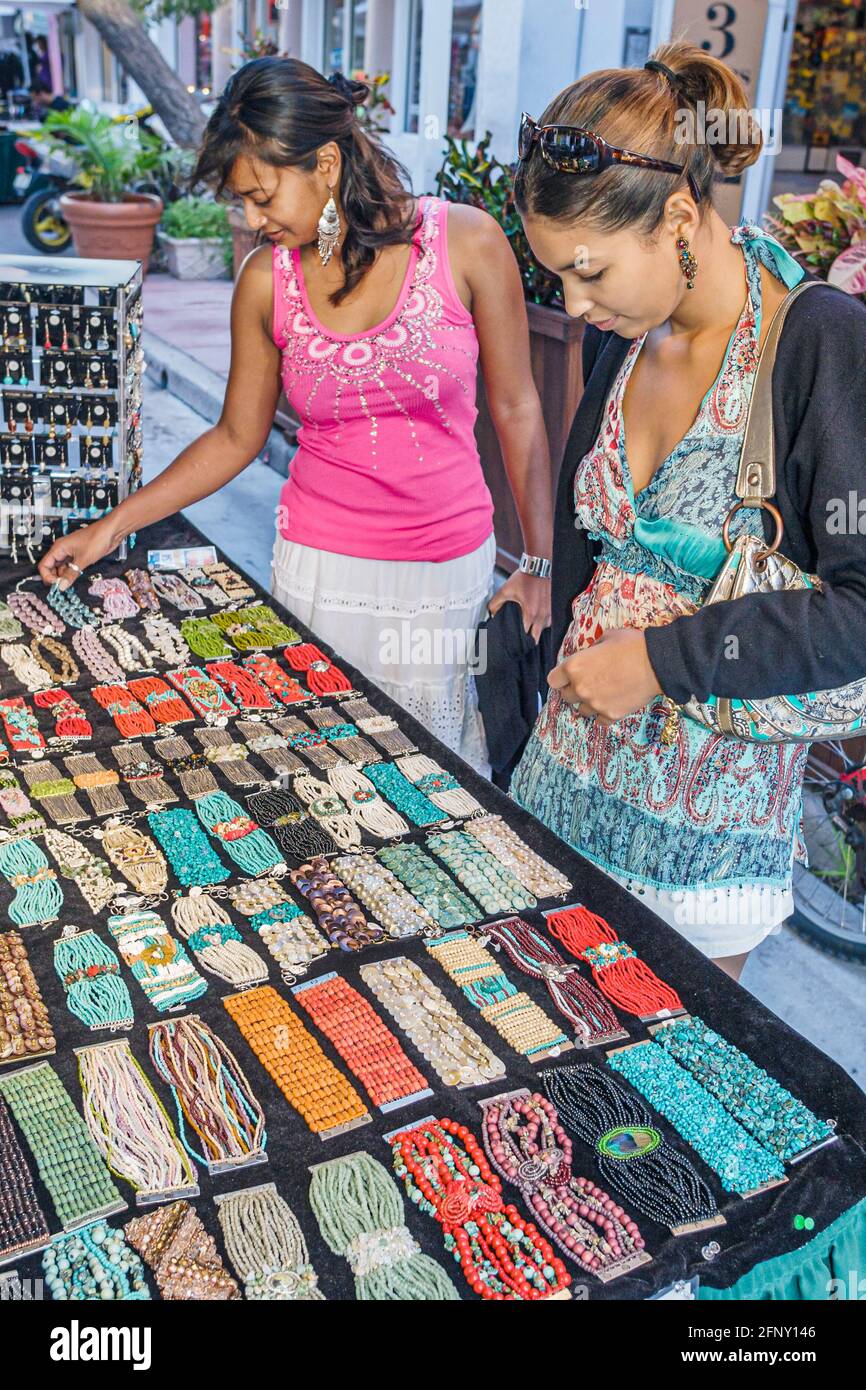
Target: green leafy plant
{"type": "Point", "coordinates": [377, 105]}
{"type": "Point", "coordinates": [199, 219]}
{"type": "Point", "coordinates": [109, 156]}
{"type": "Point", "coordinates": [826, 230]}
{"type": "Point", "coordinates": [474, 176]}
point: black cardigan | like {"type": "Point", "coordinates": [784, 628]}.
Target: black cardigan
{"type": "Point", "coordinates": [788, 642]}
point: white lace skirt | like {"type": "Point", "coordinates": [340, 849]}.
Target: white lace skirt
{"type": "Point", "coordinates": [408, 625]}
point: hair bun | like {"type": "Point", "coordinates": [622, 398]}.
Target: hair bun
{"type": "Point", "coordinates": [355, 92]}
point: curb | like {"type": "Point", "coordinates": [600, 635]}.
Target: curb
{"type": "Point", "coordinates": [203, 391]}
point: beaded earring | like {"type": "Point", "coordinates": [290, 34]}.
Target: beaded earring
{"type": "Point", "coordinates": [688, 264]}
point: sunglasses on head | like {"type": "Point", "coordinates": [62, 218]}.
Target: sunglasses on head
{"type": "Point", "coordinates": [571, 149]}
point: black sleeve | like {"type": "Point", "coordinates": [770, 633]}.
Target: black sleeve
{"type": "Point", "coordinates": [793, 642]}
{"type": "Point", "coordinates": [593, 342]}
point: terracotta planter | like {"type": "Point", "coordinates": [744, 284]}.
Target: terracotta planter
{"type": "Point", "coordinates": [555, 343]}
{"type": "Point", "coordinates": [113, 231]}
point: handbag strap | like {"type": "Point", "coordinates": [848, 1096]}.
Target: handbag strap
{"type": "Point", "coordinates": [756, 476]}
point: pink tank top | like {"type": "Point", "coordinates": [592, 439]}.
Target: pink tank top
{"type": "Point", "coordinates": [387, 466]}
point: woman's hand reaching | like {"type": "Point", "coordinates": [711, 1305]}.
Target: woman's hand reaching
{"type": "Point", "coordinates": [70, 556]}
{"type": "Point", "coordinates": [532, 594]}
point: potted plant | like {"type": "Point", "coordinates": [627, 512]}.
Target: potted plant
{"type": "Point", "coordinates": [826, 230]}
{"type": "Point", "coordinates": [476, 177]}
{"type": "Point", "coordinates": [197, 239]}
{"type": "Point", "coordinates": [107, 218]}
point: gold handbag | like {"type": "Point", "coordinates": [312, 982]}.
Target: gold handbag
{"type": "Point", "coordinates": [753, 568]}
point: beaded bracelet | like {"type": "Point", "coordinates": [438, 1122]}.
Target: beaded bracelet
{"type": "Point", "coordinates": [632, 1154]}
{"type": "Point", "coordinates": [132, 654]}
{"type": "Point", "coordinates": [54, 792]}
{"type": "Point", "coordinates": [323, 677]}
{"type": "Point", "coordinates": [328, 808]}
{"type": "Point", "coordinates": [426, 881]}
{"type": "Point", "coordinates": [381, 727]}
{"type": "Point", "coordinates": [576, 999]}
{"type": "Point", "coordinates": [221, 750]}
{"type": "Point", "coordinates": [230, 583]}
{"type": "Point", "coordinates": [117, 600]}
{"type": "Point", "coordinates": [25, 1028]}
{"type": "Point", "coordinates": [369, 1049]}
{"type": "Point", "coordinates": [183, 1257]}
{"type": "Point", "coordinates": [200, 582]}
{"type": "Point", "coordinates": [240, 683]}
{"type": "Point", "coordinates": [388, 780]}
{"type": "Point", "coordinates": [742, 1164]}
{"type": "Point", "coordinates": [70, 721]}
{"type": "Point", "coordinates": [290, 937]}
{"type": "Point", "coordinates": [266, 1246]}
{"type": "Point", "coordinates": [275, 807]}
{"type": "Point", "coordinates": [616, 968]}
{"type": "Point", "coordinates": [527, 1145]}
{"type": "Point", "coordinates": [304, 839]}
{"type": "Point", "coordinates": [360, 1215]}
{"type": "Point", "coordinates": [192, 859]}
{"type": "Point", "coordinates": [10, 628]}
{"type": "Point", "coordinates": [172, 589]}
{"type": "Point", "coordinates": [365, 803]}
{"type": "Point", "coordinates": [205, 696]}
{"type": "Point", "coordinates": [254, 626]}
{"type": "Point", "coordinates": [190, 768]}
{"type": "Point", "coordinates": [23, 1228]}
{"type": "Point", "coordinates": [136, 856]}
{"type": "Point", "coordinates": [163, 703]}
{"type": "Point", "coordinates": [453, 1049]}
{"type": "Point", "coordinates": [21, 726]}
{"type": "Point", "coordinates": [322, 1096]}
{"type": "Point", "coordinates": [94, 1263]}
{"type": "Point", "coordinates": [256, 895]}
{"type": "Point", "coordinates": [203, 638]}
{"type": "Point", "coordinates": [131, 719]}
{"type": "Point", "coordinates": [764, 1108]}
{"type": "Point", "coordinates": [484, 877]}
{"type": "Point", "coordinates": [344, 737]}
{"type": "Point", "coordinates": [100, 783]}
{"type": "Point", "coordinates": [499, 839]}
{"type": "Point", "coordinates": [303, 739]}
{"type": "Point", "coordinates": [89, 971]}
{"type": "Point", "coordinates": [217, 945]}
{"type": "Point", "coordinates": [35, 615]}
{"type": "Point", "coordinates": [38, 896]}
{"type": "Point", "coordinates": [443, 789]}
{"type": "Point", "coordinates": [337, 913]}
{"type": "Point", "coordinates": [447, 1175]}
{"type": "Point", "coordinates": [24, 666]}
{"type": "Point", "coordinates": [70, 607]}
{"type": "Point", "coordinates": [96, 657]}
{"type": "Point", "coordinates": [142, 774]}
{"type": "Point", "coordinates": [251, 848]}
{"type": "Point", "coordinates": [142, 590]}
{"type": "Point", "coordinates": [20, 813]}
{"type": "Point", "coordinates": [129, 1124]}
{"type": "Point", "coordinates": [66, 672]}
{"type": "Point", "coordinates": [159, 963]}
{"type": "Point", "coordinates": [272, 676]}
{"type": "Point", "coordinates": [377, 889]}
{"type": "Point", "coordinates": [91, 875]}
{"type": "Point", "coordinates": [269, 746]}
{"type": "Point", "coordinates": [165, 639]}
{"type": "Point", "coordinates": [516, 1017]}
{"type": "Point", "coordinates": [212, 1096]}
{"type": "Point", "coordinates": [70, 1166]}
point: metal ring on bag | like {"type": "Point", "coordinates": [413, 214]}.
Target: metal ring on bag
{"type": "Point", "coordinates": [768, 506]}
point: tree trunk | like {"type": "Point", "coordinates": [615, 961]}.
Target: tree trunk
{"type": "Point", "coordinates": [128, 40]}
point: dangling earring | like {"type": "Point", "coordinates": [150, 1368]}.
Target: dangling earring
{"type": "Point", "coordinates": [330, 228]}
{"type": "Point", "coordinates": [688, 264]}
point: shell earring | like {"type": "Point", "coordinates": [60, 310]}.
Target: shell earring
{"type": "Point", "coordinates": [330, 228]}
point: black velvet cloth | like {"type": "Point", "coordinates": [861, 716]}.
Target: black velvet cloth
{"type": "Point", "coordinates": [511, 687]}
{"type": "Point", "coordinates": [822, 1186]}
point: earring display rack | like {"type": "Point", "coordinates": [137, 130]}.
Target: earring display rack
{"type": "Point", "coordinates": [71, 366]}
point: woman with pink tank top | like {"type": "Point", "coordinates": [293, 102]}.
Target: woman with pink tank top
{"type": "Point", "coordinates": [372, 309]}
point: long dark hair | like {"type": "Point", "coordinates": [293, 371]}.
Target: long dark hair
{"type": "Point", "coordinates": [642, 110]}
{"type": "Point", "coordinates": [280, 110]}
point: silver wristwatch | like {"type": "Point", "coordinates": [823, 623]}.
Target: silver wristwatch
{"type": "Point", "coordinates": [535, 565]}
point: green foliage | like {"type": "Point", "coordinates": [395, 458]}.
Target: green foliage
{"type": "Point", "coordinates": [152, 11]}
{"type": "Point", "coordinates": [109, 156]}
{"type": "Point", "coordinates": [476, 177]}
{"type": "Point", "coordinates": [195, 217]}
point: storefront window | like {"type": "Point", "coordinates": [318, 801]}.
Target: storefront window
{"type": "Point", "coordinates": [463, 80]}
{"type": "Point", "coordinates": [825, 101]}
{"type": "Point", "coordinates": [345, 35]}
{"type": "Point", "coordinates": [203, 53]}
{"type": "Point", "coordinates": [413, 81]}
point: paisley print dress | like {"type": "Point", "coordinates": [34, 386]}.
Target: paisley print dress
{"type": "Point", "coordinates": [706, 829]}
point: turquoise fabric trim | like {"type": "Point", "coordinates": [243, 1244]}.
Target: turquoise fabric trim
{"type": "Point", "coordinates": [772, 253]}
{"type": "Point", "coordinates": [683, 545]}
{"type": "Point", "coordinates": [808, 1273]}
